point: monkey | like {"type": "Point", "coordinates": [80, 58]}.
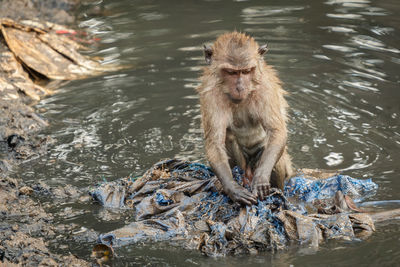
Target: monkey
{"type": "Point", "coordinates": [244, 116]}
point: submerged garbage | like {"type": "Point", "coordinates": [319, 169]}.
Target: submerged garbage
{"type": "Point", "coordinates": [183, 201]}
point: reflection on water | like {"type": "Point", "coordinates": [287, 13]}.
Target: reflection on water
{"type": "Point", "coordinates": [339, 59]}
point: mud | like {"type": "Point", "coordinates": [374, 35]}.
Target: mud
{"type": "Point", "coordinates": [19, 124]}
{"type": "Point", "coordinates": [57, 11]}
{"type": "Point", "coordinates": [27, 229]}
{"type": "Point", "coordinates": [29, 232]}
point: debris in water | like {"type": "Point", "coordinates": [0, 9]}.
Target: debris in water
{"type": "Point", "coordinates": [52, 55]}
{"type": "Point", "coordinates": [178, 200]}
{"type": "Point", "coordinates": [102, 253]}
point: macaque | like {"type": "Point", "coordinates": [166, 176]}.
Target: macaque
{"type": "Point", "coordinates": [244, 117]}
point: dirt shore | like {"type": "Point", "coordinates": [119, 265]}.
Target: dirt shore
{"type": "Point", "coordinates": [27, 229]}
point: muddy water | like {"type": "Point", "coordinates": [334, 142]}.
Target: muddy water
{"type": "Point", "coordinates": [339, 59]}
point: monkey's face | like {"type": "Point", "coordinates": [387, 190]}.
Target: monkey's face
{"type": "Point", "coordinates": [237, 83]}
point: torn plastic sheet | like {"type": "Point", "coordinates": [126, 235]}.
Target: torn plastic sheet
{"type": "Point", "coordinates": [311, 189]}
{"type": "Point", "coordinates": [177, 200]}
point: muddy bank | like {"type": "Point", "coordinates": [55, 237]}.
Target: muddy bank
{"type": "Point", "coordinates": [57, 11]}
{"type": "Point", "coordinates": [18, 140]}
{"type": "Point", "coordinates": [19, 123]}
{"type": "Point", "coordinates": [36, 55]}
{"type": "Point", "coordinates": [28, 230]}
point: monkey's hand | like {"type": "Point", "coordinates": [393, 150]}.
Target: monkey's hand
{"type": "Point", "coordinates": [240, 194]}
{"type": "Point", "coordinates": [261, 187]}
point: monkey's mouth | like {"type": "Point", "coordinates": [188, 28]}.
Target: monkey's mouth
{"type": "Point", "coordinates": [236, 100]}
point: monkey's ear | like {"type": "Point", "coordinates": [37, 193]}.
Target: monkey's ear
{"type": "Point", "coordinates": [208, 53]}
{"type": "Point", "coordinates": [263, 49]}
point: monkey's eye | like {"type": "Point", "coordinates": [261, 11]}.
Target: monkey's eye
{"type": "Point", "coordinates": [230, 71]}
{"type": "Point", "coordinates": [247, 71]}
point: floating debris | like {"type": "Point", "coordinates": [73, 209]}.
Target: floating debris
{"type": "Point", "coordinates": [102, 253]}
{"type": "Point", "coordinates": [178, 200]}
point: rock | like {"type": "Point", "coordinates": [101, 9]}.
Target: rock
{"type": "Point", "coordinates": [25, 190]}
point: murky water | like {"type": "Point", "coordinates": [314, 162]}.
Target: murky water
{"type": "Point", "coordinates": [339, 59]}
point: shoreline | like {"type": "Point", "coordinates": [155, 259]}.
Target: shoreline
{"type": "Point", "coordinates": [27, 230]}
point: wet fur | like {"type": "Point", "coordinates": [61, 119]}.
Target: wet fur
{"type": "Point", "coordinates": [240, 133]}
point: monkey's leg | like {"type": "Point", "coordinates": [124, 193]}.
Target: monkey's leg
{"type": "Point", "coordinates": [282, 170]}
{"type": "Point", "coordinates": [248, 176]}
{"type": "Point", "coordinates": [236, 157]}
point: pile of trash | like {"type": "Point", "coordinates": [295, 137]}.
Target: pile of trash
{"type": "Point", "coordinates": [182, 201]}
{"type": "Point", "coordinates": [38, 51]}
{"type": "Point", "coordinates": [35, 57]}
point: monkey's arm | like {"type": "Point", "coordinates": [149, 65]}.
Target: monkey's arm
{"type": "Point", "coordinates": [223, 171]}
{"type": "Point", "coordinates": [215, 125]}
{"type": "Point", "coordinates": [272, 152]}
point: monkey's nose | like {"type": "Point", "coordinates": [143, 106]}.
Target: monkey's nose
{"type": "Point", "coordinates": [239, 88]}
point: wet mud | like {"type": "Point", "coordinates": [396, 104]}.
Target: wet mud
{"type": "Point", "coordinates": [29, 232]}
{"type": "Point", "coordinates": [19, 141]}
{"type": "Point", "coordinates": [57, 11]}
{"type": "Point", "coordinates": [19, 88]}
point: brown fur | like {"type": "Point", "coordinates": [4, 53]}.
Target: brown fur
{"type": "Point", "coordinates": [234, 130]}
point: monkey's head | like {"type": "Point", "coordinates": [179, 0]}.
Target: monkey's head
{"type": "Point", "coordinates": [234, 58]}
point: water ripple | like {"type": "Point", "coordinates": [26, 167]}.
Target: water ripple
{"type": "Point", "coordinates": [338, 59]}
{"type": "Point", "coordinates": [372, 43]}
